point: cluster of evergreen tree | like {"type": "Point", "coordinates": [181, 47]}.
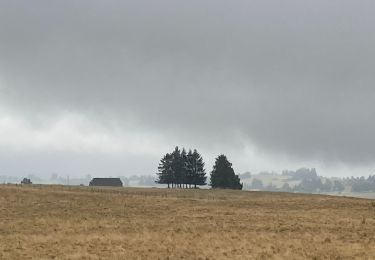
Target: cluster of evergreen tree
{"type": "Point", "coordinates": [181, 169]}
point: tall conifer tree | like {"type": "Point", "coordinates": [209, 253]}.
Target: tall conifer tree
{"type": "Point", "coordinates": [223, 176]}
{"type": "Point", "coordinates": [165, 173]}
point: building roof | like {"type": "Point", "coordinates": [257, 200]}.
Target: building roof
{"type": "Point", "coordinates": [111, 182]}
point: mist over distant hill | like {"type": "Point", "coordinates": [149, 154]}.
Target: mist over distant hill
{"type": "Point", "coordinates": [308, 181]}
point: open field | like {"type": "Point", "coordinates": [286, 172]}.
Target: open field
{"type": "Point", "coordinates": [45, 222]}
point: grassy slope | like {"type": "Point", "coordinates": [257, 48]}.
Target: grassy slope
{"type": "Point", "coordinates": [45, 222]}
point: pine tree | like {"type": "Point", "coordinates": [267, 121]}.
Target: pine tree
{"type": "Point", "coordinates": [200, 174]}
{"type": "Point", "coordinates": [190, 168]}
{"type": "Point", "coordinates": [165, 173]}
{"type": "Point", "coordinates": [177, 167]}
{"type": "Point", "coordinates": [183, 168]}
{"type": "Point", "coordinates": [223, 176]}
{"type": "Point", "coordinates": [195, 169]}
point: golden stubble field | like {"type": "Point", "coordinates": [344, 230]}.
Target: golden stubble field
{"type": "Point", "coordinates": [46, 222]}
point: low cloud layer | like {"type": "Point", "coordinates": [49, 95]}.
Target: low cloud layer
{"type": "Point", "coordinates": [285, 79]}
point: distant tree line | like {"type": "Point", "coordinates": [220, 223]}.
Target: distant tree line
{"type": "Point", "coordinates": [300, 174]}
{"type": "Point", "coordinates": [308, 181]}
{"type": "Point", "coordinates": [361, 184]}
{"type": "Point", "coordinates": [320, 184]}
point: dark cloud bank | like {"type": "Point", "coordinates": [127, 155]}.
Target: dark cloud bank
{"type": "Point", "coordinates": [293, 78]}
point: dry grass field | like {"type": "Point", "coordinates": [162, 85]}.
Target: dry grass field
{"type": "Point", "coordinates": [47, 222]}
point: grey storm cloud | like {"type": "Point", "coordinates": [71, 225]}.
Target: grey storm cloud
{"type": "Point", "coordinates": [293, 77]}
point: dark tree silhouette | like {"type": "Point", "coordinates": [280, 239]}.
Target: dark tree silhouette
{"type": "Point", "coordinates": [178, 166]}
{"type": "Point", "coordinates": [165, 173]}
{"type": "Point", "coordinates": [196, 174]}
{"type": "Point", "coordinates": [223, 176]}
{"type": "Point", "coordinates": [183, 168]}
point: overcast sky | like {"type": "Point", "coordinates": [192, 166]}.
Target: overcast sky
{"type": "Point", "coordinates": [107, 87]}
